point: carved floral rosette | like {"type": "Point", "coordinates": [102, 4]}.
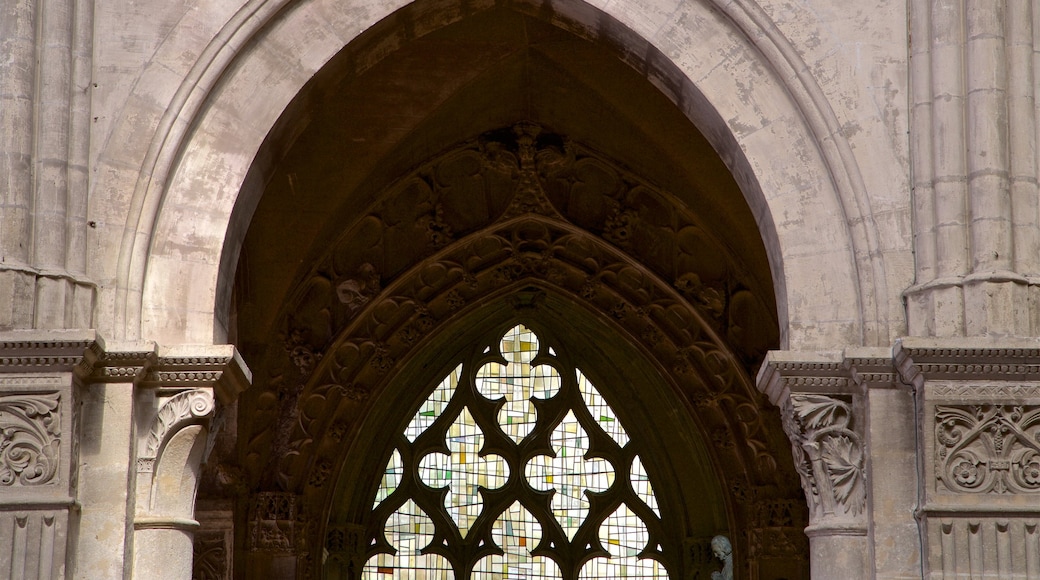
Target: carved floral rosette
{"type": "Point", "coordinates": [828, 455]}
{"type": "Point", "coordinates": [30, 432]}
{"type": "Point", "coordinates": [988, 448]}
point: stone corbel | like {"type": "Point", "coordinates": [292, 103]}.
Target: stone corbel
{"type": "Point", "coordinates": [820, 403]}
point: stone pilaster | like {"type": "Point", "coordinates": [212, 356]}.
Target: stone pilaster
{"type": "Point", "coordinates": [978, 407]}
{"type": "Point", "coordinates": [39, 375]}
{"type": "Point", "coordinates": [177, 404]}
{"type": "Point", "coordinates": [44, 141]}
{"type": "Point", "coordinates": [823, 415]}
{"type": "Point", "coordinates": [973, 138]}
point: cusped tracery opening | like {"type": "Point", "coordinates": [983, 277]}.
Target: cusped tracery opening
{"type": "Point", "coordinates": [528, 473]}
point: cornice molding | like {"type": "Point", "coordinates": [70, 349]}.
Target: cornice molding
{"type": "Point", "coordinates": [966, 359]}
{"type": "Point", "coordinates": [84, 353]}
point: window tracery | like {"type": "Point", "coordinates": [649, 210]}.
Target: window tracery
{"type": "Point", "coordinates": [515, 466]}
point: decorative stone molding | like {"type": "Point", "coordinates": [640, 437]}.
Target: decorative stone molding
{"type": "Point", "coordinates": [37, 351]}
{"type": "Point", "coordinates": [819, 397]}
{"type": "Point", "coordinates": [273, 523]}
{"type": "Point", "coordinates": [967, 359]}
{"type": "Point", "coordinates": [345, 546]}
{"type": "Point", "coordinates": [988, 448]}
{"type": "Point", "coordinates": [30, 439]}
{"type": "Point", "coordinates": [212, 555]}
{"type": "Point", "coordinates": [781, 543]}
{"type": "Point", "coordinates": [829, 455]}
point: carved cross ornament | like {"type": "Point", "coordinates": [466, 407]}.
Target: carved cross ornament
{"type": "Point", "coordinates": [828, 455]}
{"type": "Point", "coordinates": [988, 448]}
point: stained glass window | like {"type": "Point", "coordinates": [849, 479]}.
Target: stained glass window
{"type": "Point", "coordinates": [510, 469]}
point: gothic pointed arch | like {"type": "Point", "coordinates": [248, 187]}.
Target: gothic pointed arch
{"type": "Point", "coordinates": [520, 223]}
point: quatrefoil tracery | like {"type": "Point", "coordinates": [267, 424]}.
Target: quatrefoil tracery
{"type": "Point", "coordinates": [506, 451]}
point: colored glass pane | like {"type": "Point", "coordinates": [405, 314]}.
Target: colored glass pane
{"type": "Point", "coordinates": [463, 471]}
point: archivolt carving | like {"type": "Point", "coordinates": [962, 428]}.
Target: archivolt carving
{"type": "Point", "coordinates": [30, 437]}
{"type": "Point", "coordinates": [181, 408]}
{"type": "Point", "coordinates": [522, 208]}
{"type": "Point", "coordinates": [828, 454]}
{"type": "Point", "coordinates": [988, 448]}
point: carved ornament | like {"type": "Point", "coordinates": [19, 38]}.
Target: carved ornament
{"type": "Point", "coordinates": [210, 556]}
{"type": "Point", "coordinates": [988, 448]}
{"type": "Point", "coordinates": [30, 438]}
{"type": "Point", "coordinates": [273, 523]}
{"type": "Point", "coordinates": [516, 207]}
{"type": "Point", "coordinates": [828, 455]}
{"type": "Point", "coordinates": [182, 409]}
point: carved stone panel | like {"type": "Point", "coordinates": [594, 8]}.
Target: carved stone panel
{"type": "Point", "coordinates": [36, 438]}
{"type": "Point", "coordinates": [988, 448]}
{"type": "Point", "coordinates": [273, 523]}
{"type": "Point", "coordinates": [30, 439]}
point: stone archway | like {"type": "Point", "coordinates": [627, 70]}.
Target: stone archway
{"type": "Point", "coordinates": [546, 225]}
{"type": "Point", "coordinates": [197, 170]}
{"type": "Point", "coordinates": [699, 290]}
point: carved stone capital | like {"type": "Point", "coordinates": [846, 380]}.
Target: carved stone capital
{"type": "Point", "coordinates": [184, 408]}
{"type": "Point", "coordinates": [820, 395]}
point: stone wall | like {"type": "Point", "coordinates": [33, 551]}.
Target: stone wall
{"type": "Point", "coordinates": [887, 150]}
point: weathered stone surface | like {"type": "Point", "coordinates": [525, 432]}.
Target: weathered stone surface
{"type": "Point", "coordinates": [331, 186]}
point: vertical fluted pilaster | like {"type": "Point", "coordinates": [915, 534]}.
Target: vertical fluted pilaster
{"type": "Point", "coordinates": [987, 114]}
{"type": "Point", "coordinates": [45, 49]}
{"type": "Point", "coordinates": [51, 162]}
{"type": "Point", "coordinates": [974, 135]}
{"type": "Point", "coordinates": [1025, 197]}
{"type": "Point", "coordinates": [17, 95]}
{"type": "Point", "coordinates": [949, 136]}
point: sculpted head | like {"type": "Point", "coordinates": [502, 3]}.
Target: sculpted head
{"type": "Point", "coordinates": [721, 547]}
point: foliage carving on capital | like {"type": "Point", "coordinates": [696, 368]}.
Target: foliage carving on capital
{"type": "Point", "coordinates": [30, 437]}
{"type": "Point", "coordinates": [182, 408]}
{"type": "Point", "coordinates": [988, 448]}
{"type": "Point", "coordinates": [828, 455]}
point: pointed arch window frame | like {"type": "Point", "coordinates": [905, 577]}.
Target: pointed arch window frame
{"type": "Point", "coordinates": [574, 550]}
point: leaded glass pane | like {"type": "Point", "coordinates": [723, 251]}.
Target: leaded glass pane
{"type": "Point", "coordinates": [642, 487]}
{"type": "Point", "coordinates": [391, 477]}
{"type": "Point", "coordinates": [409, 530]}
{"type": "Point", "coordinates": [433, 406]}
{"type": "Point", "coordinates": [518, 382]}
{"type": "Point", "coordinates": [570, 474]}
{"type": "Point", "coordinates": [624, 535]}
{"type": "Point", "coordinates": [464, 471]}
{"type": "Point", "coordinates": [504, 398]}
{"type": "Point", "coordinates": [601, 411]}
{"type": "Point", "coordinates": [517, 532]}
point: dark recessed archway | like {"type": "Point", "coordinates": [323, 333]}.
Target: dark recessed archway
{"type": "Point", "coordinates": [409, 197]}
